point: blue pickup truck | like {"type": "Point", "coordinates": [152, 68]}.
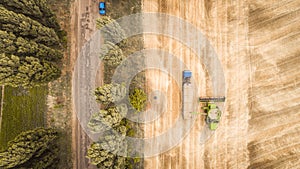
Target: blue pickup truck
{"type": "Point", "coordinates": [102, 10]}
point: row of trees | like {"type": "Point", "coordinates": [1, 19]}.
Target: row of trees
{"type": "Point", "coordinates": [114, 41]}
{"type": "Point", "coordinates": [30, 48]}
{"type": "Point", "coordinates": [110, 121]}
{"type": "Point", "coordinates": [31, 149]}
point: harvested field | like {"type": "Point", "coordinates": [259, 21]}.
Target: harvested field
{"type": "Point", "coordinates": [257, 43]}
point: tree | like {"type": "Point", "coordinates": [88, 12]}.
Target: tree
{"type": "Point", "coordinates": [104, 159]}
{"type": "Point", "coordinates": [138, 99]}
{"type": "Point", "coordinates": [107, 119]}
{"type": "Point", "coordinates": [26, 146]}
{"type": "Point", "coordinates": [111, 54]}
{"type": "Point", "coordinates": [27, 73]}
{"type": "Point", "coordinates": [111, 31]}
{"type": "Point", "coordinates": [110, 93]}
{"type": "Point", "coordinates": [25, 27]}
{"type": "Point", "coordinates": [48, 159]}
{"type": "Point", "coordinates": [10, 44]}
{"type": "Point", "coordinates": [104, 153]}
{"type": "Point", "coordinates": [35, 9]}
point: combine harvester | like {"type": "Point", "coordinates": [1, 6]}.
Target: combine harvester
{"type": "Point", "coordinates": [212, 111]}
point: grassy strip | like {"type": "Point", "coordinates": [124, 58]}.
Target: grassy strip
{"type": "Point", "coordinates": [59, 115]}
{"type": "Point", "coordinates": [22, 110]}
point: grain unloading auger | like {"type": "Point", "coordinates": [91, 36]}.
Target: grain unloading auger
{"type": "Point", "coordinates": [212, 111]}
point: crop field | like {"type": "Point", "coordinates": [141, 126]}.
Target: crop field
{"type": "Point", "coordinates": [22, 110]}
{"type": "Point", "coordinates": [257, 43]}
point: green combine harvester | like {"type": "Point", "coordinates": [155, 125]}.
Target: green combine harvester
{"type": "Point", "coordinates": [212, 111]}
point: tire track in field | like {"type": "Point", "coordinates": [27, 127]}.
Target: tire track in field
{"type": "Point", "coordinates": [274, 140]}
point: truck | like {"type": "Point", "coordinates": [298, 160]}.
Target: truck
{"type": "Point", "coordinates": [187, 93]}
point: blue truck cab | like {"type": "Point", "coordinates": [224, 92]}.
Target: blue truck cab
{"type": "Point", "coordinates": [102, 10]}
{"type": "Point", "coordinates": [187, 74]}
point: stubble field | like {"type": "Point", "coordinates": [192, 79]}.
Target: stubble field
{"type": "Point", "coordinates": [257, 44]}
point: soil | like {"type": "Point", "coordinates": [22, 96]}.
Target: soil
{"type": "Point", "coordinates": [257, 43]}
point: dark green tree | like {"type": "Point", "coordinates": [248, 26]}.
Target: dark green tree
{"type": "Point", "coordinates": [27, 145]}
{"type": "Point", "coordinates": [35, 9]}
{"type": "Point", "coordinates": [10, 44]}
{"type": "Point", "coordinates": [27, 73]}
{"type": "Point", "coordinates": [47, 159]}
{"type": "Point", "coordinates": [26, 27]}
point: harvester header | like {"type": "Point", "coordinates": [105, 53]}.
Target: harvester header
{"type": "Point", "coordinates": [211, 99]}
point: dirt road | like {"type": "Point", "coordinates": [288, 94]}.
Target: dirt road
{"type": "Point", "coordinates": [84, 14]}
{"type": "Point", "coordinates": [257, 43]}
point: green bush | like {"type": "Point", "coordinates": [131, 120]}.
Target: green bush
{"type": "Point", "coordinates": [130, 133]}
{"type": "Point", "coordinates": [138, 99]}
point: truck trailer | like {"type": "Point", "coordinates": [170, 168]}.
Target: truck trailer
{"type": "Point", "coordinates": [187, 93]}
